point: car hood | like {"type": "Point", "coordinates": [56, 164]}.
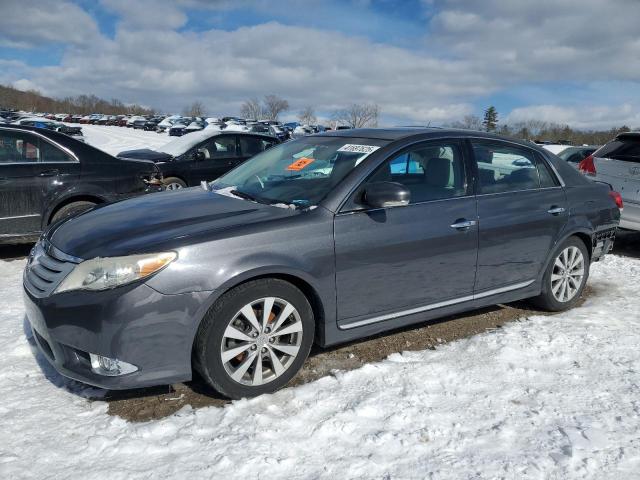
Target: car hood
{"type": "Point", "coordinates": [158, 222]}
{"type": "Point", "coordinates": [145, 154]}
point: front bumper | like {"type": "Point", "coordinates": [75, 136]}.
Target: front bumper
{"type": "Point", "coordinates": [134, 324]}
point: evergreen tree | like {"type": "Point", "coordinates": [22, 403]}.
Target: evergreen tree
{"type": "Point", "coordinates": [490, 121]}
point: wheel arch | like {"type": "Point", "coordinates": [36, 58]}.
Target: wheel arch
{"type": "Point", "coordinates": [72, 199]}
{"type": "Point", "coordinates": [294, 278]}
{"type": "Point", "coordinates": [582, 233]}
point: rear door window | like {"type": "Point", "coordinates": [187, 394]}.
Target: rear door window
{"type": "Point", "coordinates": [503, 167]}
{"type": "Point", "coordinates": [224, 147]}
{"type": "Point", "coordinates": [17, 147]}
{"type": "Point", "coordinates": [626, 149]}
{"type": "Point", "coordinates": [52, 154]}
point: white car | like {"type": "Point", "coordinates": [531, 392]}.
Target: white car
{"type": "Point", "coordinates": [555, 147]}
{"type": "Point", "coordinates": [618, 164]}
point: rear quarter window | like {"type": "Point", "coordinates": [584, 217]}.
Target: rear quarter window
{"type": "Point", "coordinates": [627, 149]}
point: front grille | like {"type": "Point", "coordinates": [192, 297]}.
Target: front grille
{"type": "Point", "coordinates": [45, 270]}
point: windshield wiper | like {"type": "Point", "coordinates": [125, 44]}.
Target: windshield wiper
{"type": "Point", "coordinates": [246, 196]}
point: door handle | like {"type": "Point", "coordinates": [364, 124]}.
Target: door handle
{"type": "Point", "coordinates": [463, 224]}
{"type": "Point", "coordinates": [555, 210]}
{"type": "Point", "coordinates": [49, 173]}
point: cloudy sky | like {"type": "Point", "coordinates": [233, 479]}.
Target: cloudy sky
{"type": "Point", "coordinates": [570, 61]}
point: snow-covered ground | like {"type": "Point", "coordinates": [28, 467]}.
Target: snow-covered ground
{"type": "Point", "coordinates": [114, 140]}
{"type": "Point", "coordinates": [545, 397]}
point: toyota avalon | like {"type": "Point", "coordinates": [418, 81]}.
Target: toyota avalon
{"type": "Point", "coordinates": [325, 239]}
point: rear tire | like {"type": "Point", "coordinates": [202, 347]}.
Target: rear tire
{"type": "Point", "coordinates": [174, 183]}
{"type": "Point", "coordinates": [71, 210]}
{"type": "Point", "coordinates": [241, 352]}
{"type": "Point", "coordinates": [565, 278]}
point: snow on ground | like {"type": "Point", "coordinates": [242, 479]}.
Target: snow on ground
{"type": "Point", "coordinates": [546, 397]}
{"type": "Point", "coordinates": [114, 140]}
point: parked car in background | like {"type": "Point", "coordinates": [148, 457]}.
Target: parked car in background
{"type": "Point", "coordinates": [195, 126]}
{"type": "Point", "coordinates": [46, 176]}
{"type": "Point", "coordinates": [315, 240]}
{"type": "Point", "coordinates": [139, 124]}
{"type": "Point", "coordinates": [574, 155]}
{"type": "Point", "coordinates": [263, 128]}
{"type": "Point", "coordinates": [202, 156]}
{"type": "Point", "coordinates": [618, 164]}
{"type": "Point", "coordinates": [178, 129]}
{"type": "Point", "coordinates": [41, 122]}
{"type": "Point", "coordinates": [151, 124]}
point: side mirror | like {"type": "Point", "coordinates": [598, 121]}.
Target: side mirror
{"type": "Point", "coordinates": [199, 155]}
{"type": "Point", "coordinates": [386, 194]}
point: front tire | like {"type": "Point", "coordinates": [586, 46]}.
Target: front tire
{"type": "Point", "coordinates": [566, 277]}
{"type": "Point", "coordinates": [255, 338]}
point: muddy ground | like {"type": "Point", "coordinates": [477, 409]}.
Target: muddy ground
{"type": "Point", "coordinates": [147, 404]}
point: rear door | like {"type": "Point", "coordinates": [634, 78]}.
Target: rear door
{"type": "Point", "coordinates": [219, 155]}
{"type": "Point", "coordinates": [521, 210]}
{"type": "Point", "coordinates": [20, 190]}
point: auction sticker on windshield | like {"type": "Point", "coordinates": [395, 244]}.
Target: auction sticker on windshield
{"type": "Point", "coordinates": [300, 164]}
{"type": "Point", "coordinates": [349, 147]}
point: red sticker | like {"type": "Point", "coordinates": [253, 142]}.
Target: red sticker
{"type": "Point", "coordinates": [300, 164]}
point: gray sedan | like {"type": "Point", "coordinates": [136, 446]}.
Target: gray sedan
{"type": "Point", "coordinates": [325, 239]}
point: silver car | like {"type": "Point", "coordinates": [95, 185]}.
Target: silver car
{"type": "Point", "coordinates": [618, 164]}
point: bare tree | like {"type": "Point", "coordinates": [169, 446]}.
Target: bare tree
{"type": "Point", "coordinates": [251, 109]}
{"type": "Point", "coordinates": [274, 106]}
{"type": "Point", "coordinates": [469, 122]}
{"type": "Point", "coordinates": [196, 109]}
{"type": "Point", "coordinates": [358, 115]}
{"type": "Point", "coordinates": [307, 116]}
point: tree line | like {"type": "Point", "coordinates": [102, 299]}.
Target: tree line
{"type": "Point", "coordinates": [33, 101]}
{"type": "Point", "coordinates": [538, 130]}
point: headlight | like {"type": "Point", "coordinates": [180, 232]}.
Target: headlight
{"type": "Point", "coordinates": [104, 273]}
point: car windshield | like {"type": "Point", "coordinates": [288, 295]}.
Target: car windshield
{"type": "Point", "coordinates": [299, 173]}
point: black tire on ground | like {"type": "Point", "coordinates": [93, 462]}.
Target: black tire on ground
{"type": "Point", "coordinates": [208, 343]}
{"type": "Point", "coordinates": [174, 181]}
{"type": "Point", "coordinates": [71, 210]}
{"type": "Point", "coordinates": [546, 300]}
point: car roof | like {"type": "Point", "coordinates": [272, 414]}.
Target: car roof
{"type": "Point", "coordinates": [398, 133]}
{"type": "Point", "coordinates": [628, 136]}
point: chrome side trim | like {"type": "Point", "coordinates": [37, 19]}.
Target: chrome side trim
{"type": "Point", "coordinates": [20, 216]}
{"type": "Point", "coordinates": [433, 306]}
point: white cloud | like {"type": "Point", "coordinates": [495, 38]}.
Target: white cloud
{"type": "Point", "coordinates": [587, 117]}
{"type": "Point", "coordinates": [224, 68]}
{"type": "Point", "coordinates": [471, 51]}
{"type": "Point", "coordinates": [28, 23]}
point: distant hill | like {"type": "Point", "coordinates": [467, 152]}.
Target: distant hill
{"type": "Point", "coordinates": [33, 101]}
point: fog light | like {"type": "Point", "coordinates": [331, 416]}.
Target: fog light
{"type": "Point", "coordinates": [110, 367]}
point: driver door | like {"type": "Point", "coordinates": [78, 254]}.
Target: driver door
{"type": "Point", "coordinates": [392, 260]}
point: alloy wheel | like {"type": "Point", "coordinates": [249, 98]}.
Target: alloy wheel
{"type": "Point", "coordinates": [173, 186]}
{"type": "Point", "coordinates": [567, 275]}
{"type": "Point", "coordinates": [261, 341]}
